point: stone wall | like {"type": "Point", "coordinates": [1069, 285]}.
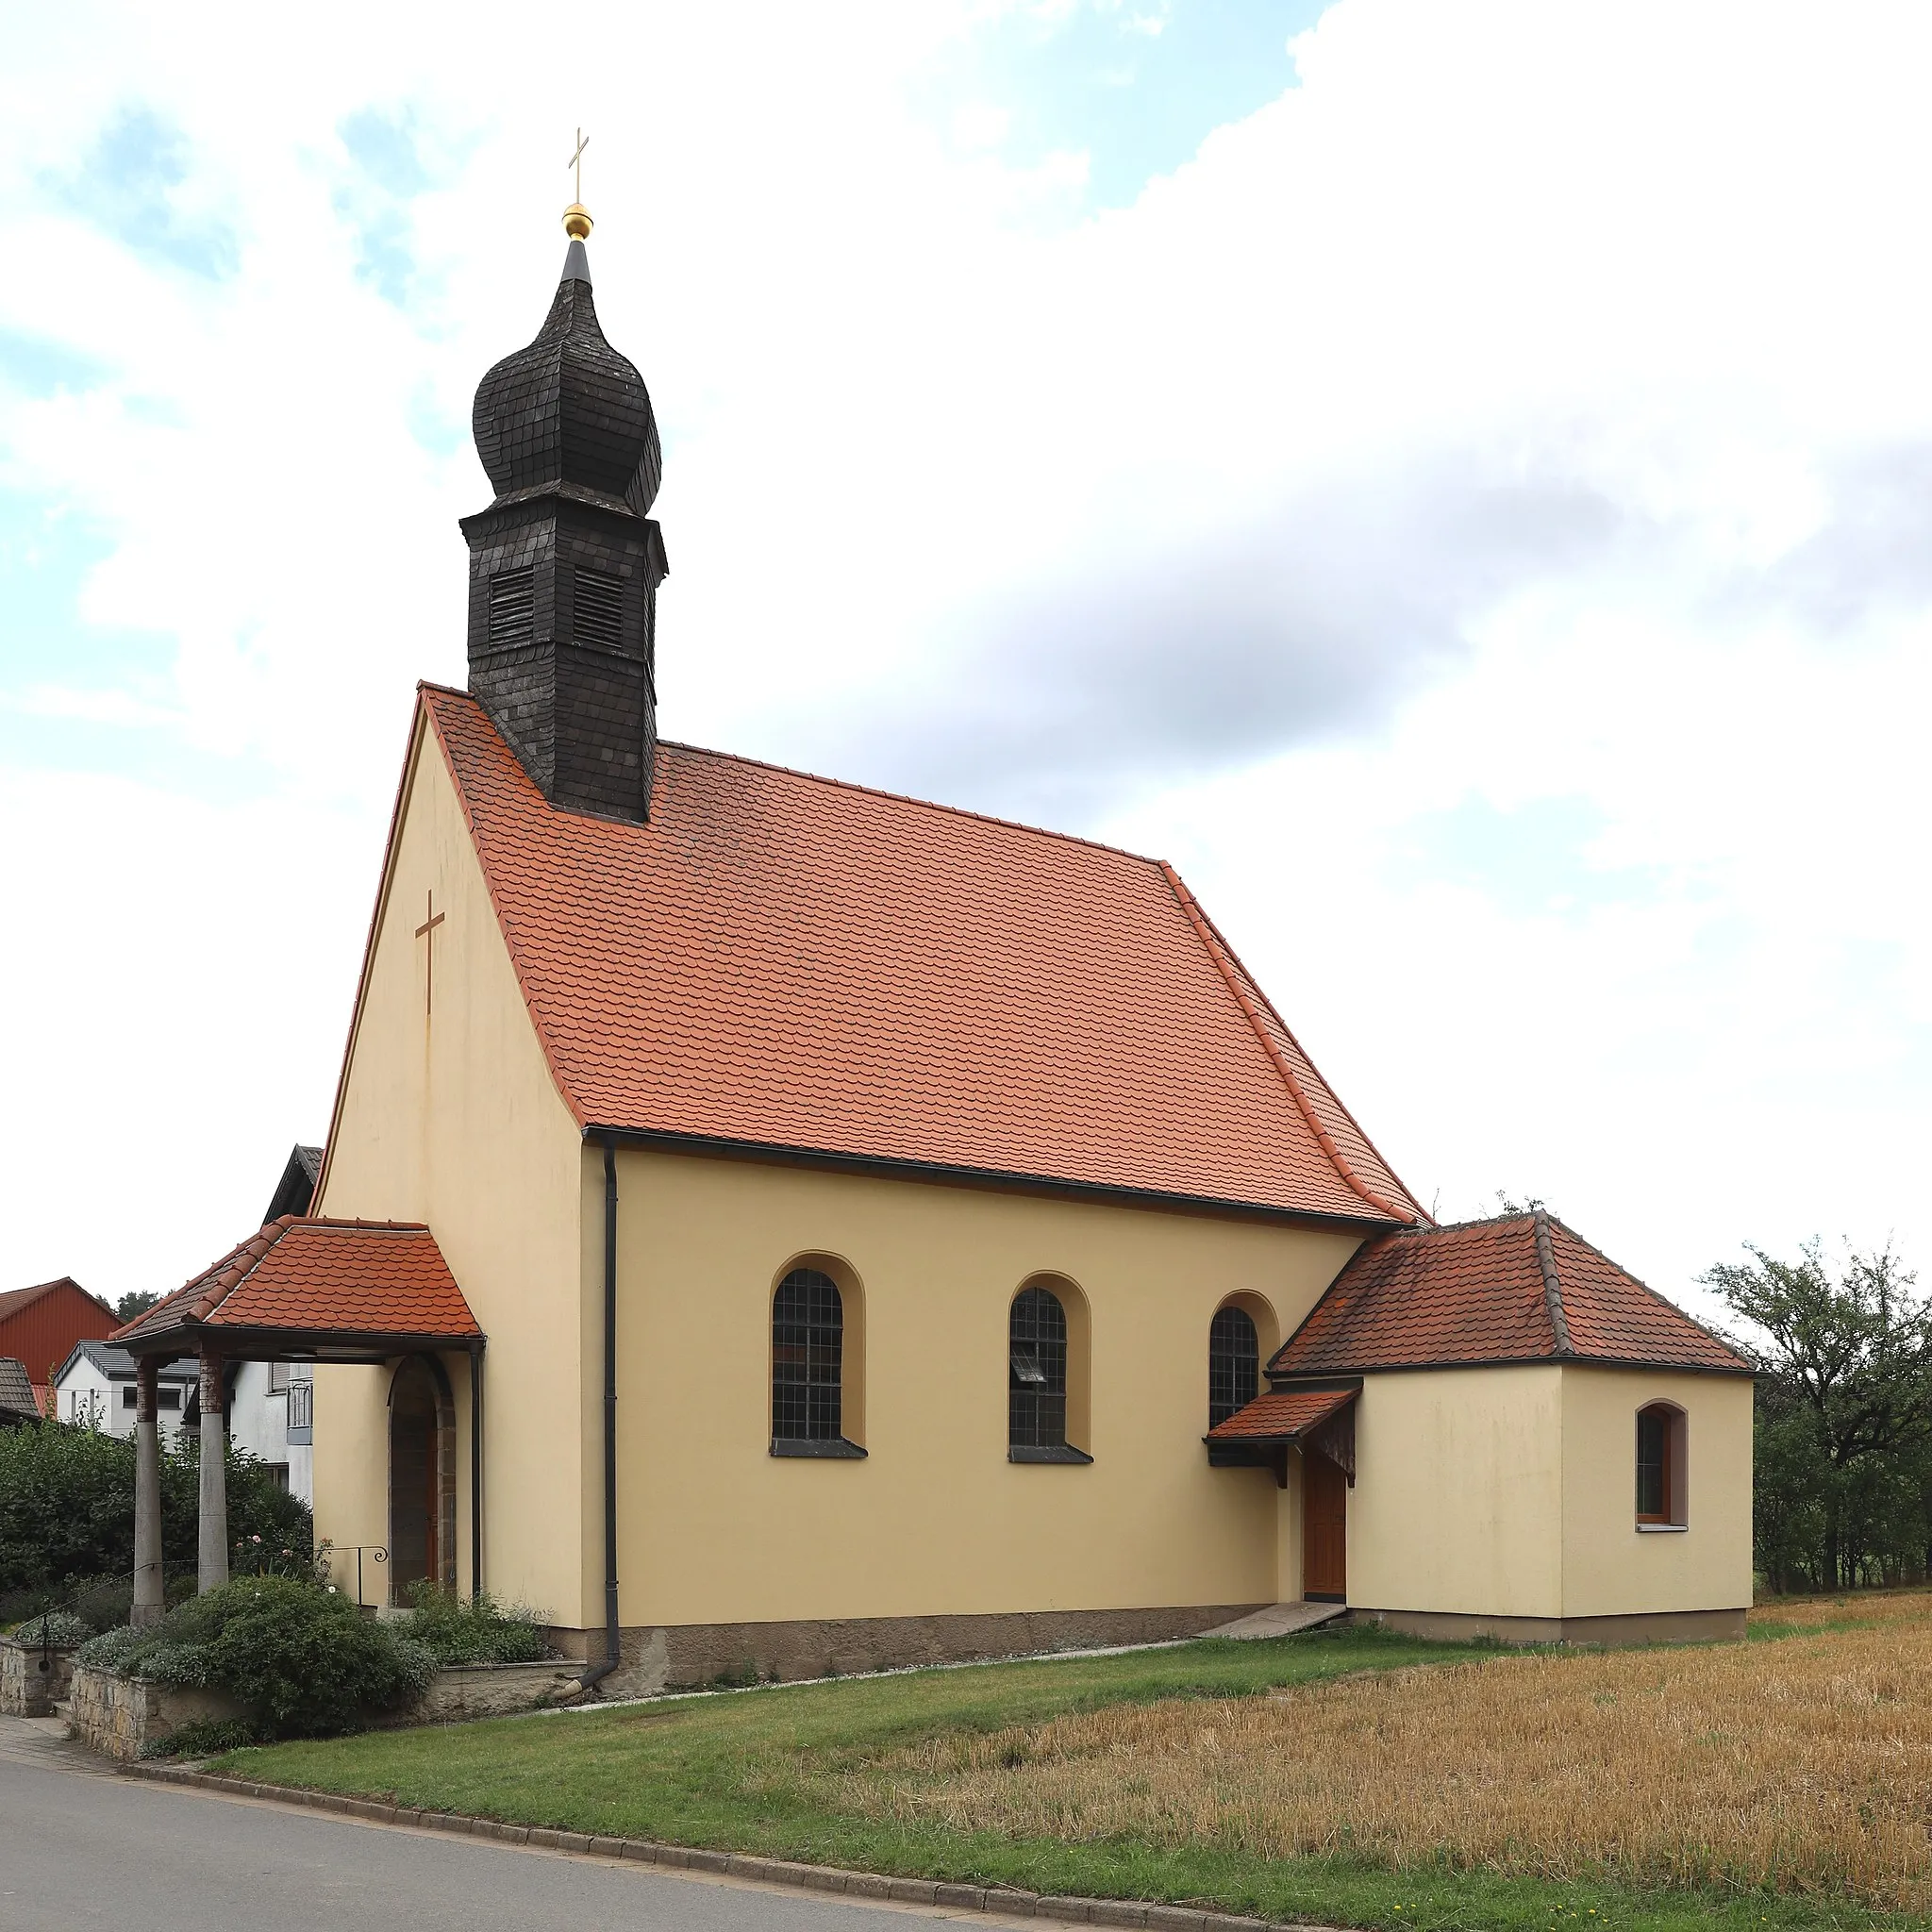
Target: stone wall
{"type": "Point", "coordinates": [121, 1717]}
{"type": "Point", "coordinates": [26, 1688]}
{"type": "Point", "coordinates": [118, 1715]}
{"type": "Point", "coordinates": [471, 1691]}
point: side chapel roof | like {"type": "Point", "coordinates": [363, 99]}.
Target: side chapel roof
{"type": "Point", "coordinates": [788, 963]}
{"type": "Point", "coordinates": [321, 1277]}
{"type": "Point", "coordinates": [1520, 1287]}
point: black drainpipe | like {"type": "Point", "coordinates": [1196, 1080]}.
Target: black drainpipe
{"type": "Point", "coordinates": [595, 1674]}
{"type": "Point", "coordinates": [475, 1470]}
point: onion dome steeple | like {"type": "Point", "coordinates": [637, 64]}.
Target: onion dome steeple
{"type": "Point", "coordinates": [565, 563]}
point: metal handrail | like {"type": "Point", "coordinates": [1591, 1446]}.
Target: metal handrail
{"type": "Point", "coordinates": [376, 1552]}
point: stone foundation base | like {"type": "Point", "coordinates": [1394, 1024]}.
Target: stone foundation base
{"type": "Point", "coordinates": [686, 1655]}
{"type": "Point", "coordinates": [1643, 1627]}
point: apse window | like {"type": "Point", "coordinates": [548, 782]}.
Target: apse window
{"type": "Point", "coordinates": [1234, 1363]}
{"type": "Point", "coordinates": [1660, 1467]}
{"type": "Point", "coordinates": [809, 1366]}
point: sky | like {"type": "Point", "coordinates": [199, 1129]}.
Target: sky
{"type": "Point", "coordinates": [1454, 477]}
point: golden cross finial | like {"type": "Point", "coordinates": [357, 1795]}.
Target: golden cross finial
{"type": "Point", "coordinates": [576, 217]}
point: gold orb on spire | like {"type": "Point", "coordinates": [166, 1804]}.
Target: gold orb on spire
{"type": "Point", "coordinates": [576, 217]}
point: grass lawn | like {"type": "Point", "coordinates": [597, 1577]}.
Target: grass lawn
{"type": "Point", "coordinates": [1347, 1776]}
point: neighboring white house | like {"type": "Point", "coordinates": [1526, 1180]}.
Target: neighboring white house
{"type": "Point", "coordinates": [269, 1406]}
{"type": "Point", "coordinates": [94, 1388]}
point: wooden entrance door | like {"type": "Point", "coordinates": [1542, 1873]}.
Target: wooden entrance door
{"type": "Point", "coordinates": [1325, 1529]}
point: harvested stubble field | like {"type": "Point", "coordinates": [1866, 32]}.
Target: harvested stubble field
{"type": "Point", "coordinates": [1801, 1764]}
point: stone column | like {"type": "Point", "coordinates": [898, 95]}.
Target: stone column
{"type": "Point", "coordinates": [148, 1599]}
{"type": "Point", "coordinates": [214, 1472]}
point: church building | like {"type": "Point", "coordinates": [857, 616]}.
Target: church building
{"type": "Point", "coordinates": [770, 1223]}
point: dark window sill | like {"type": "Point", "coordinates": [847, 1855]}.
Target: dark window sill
{"type": "Point", "coordinates": [1060, 1452]}
{"type": "Point", "coordinates": [835, 1449]}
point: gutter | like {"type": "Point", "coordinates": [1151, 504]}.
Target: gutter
{"type": "Point", "coordinates": [594, 1675]}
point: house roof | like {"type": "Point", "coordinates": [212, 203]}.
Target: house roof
{"type": "Point", "coordinates": [16, 1388]}
{"type": "Point", "coordinates": [15, 1299]}
{"type": "Point", "coordinates": [777, 961]}
{"type": "Point", "coordinates": [117, 1364]}
{"type": "Point", "coordinates": [1521, 1287]}
{"type": "Point", "coordinates": [296, 1191]}
{"type": "Point", "coordinates": [1280, 1415]}
{"type": "Point", "coordinates": [302, 1276]}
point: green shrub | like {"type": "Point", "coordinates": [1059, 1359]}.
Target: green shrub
{"type": "Point", "coordinates": [112, 1649]}
{"type": "Point", "coordinates": [61, 1627]}
{"type": "Point", "coordinates": [304, 1660]}
{"type": "Point", "coordinates": [207, 1737]}
{"type": "Point", "coordinates": [475, 1630]}
{"type": "Point", "coordinates": [67, 1510]}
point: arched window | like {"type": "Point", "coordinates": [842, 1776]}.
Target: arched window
{"type": "Point", "coordinates": [1234, 1363]}
{"type": "Point", "coordinates": [1037, 1372]}
{"type": "Point", "coordinates": [1661, 1489]}
{"type": "Point", "coordinates": [808, 1356]}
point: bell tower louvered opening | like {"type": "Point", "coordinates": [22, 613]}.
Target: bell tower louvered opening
{"type": "Point", "coordinates": [599, 612]}
{"type": "Point", "coordinates": [513, 607]}
{"type": "Point", "coordinates": [565, 563]}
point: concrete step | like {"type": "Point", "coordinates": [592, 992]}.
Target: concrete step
{"type": "Point", "coordinates": [1280, 1619]}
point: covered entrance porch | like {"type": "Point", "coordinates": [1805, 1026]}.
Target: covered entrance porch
{"type": "Point", "coordinates": [375, 1293]}
{"type": "Point", "coordinates": [1315, 1421]}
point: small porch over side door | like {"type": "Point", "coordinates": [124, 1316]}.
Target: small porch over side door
{"type": "Point", "coordinates": [1325, 1528]}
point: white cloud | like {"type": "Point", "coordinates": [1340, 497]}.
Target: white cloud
{"type": "Point", "coordinates": [1530, 410]}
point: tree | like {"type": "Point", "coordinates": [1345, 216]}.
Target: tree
{"type": "Point", "coordinates": [67, 1506]}
{"type": "Point", "coordinates": [137, 1301]}
{"type": "Point", "coordinates": [1844, 1409]}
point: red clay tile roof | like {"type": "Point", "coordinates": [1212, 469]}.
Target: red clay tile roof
{"type": "Point", "coordinates": [789, 961]}
{"type": "Point", "coordinates": [1521, 1287]}
{"type": "Point", "coordinates": [1281, 1414]}
{"type": "Point", "coordinates": [348, 1277]}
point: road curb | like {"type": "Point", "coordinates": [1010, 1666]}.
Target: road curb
{"type": "Point", "coordinates": [828, 1878]}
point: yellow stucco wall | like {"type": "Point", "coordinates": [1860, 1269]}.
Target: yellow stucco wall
{"type": "Point", "coordinates": [1610, 1567]}
{"type": "Point", "coordinates": [1459, 1497]}
{"type": "Point", "coordinates": [715, 1529]}
{"type": "Point", "coordinates": [1493, 1492]}
{"type": "Point", "coordinates": [451, 1117]}
{"type": "Point", "coordinates": [1512, 1492]}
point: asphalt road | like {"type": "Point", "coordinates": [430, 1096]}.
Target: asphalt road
{"type": "Point", "coordinates": [80, 1846]}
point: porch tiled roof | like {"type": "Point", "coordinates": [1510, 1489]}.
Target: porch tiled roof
{"type": "Point", "coordinates": [317, 1275]}
{"type": "Point", "coordinates": [1521, 1287]}
{"type": "Point", "coordinates": [1281, 1415]}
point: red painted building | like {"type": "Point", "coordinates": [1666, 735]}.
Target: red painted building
{"type": "Point", "coordinates": [39, 1326]}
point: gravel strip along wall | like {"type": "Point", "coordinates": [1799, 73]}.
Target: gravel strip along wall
{"type": "Point", "coordinates": [913, 1891]}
